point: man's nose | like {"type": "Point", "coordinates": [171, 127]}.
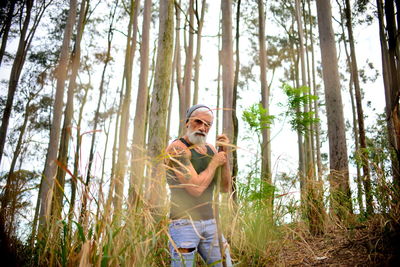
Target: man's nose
{"type": "Point", "coordinates": [202, 127]}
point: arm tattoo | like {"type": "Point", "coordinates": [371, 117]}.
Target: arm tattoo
{"type": "Point", "coordinates": [180, 161]}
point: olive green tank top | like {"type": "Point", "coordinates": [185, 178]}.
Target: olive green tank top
{"type": "Point", "coordinates": [183, 204]}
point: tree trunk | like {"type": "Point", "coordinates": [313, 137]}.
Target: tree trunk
{"type": "Point", "coordinates": [187, 78]}
{"type": "Point", "coordinates": [138, 144]}
{"type": "Point", "coordinates": [18, 64]}
{"type": "Point", "coordinates": [74, 178]}
{"type": "Point", "coordinates": [217, 115]}
{"type": "Point", "coordinates": [97, 112]}
{"type": "Point", "coordinates": [360, 114]}
{"type": "Point", "coordinates": [234, 105]}
{"type": "Point", "coordinates": [6, 30]}
{"type": "Point", "coordinates": [170, 100]}
{"type": "Point", "coordinates": [355, 124]}
{"type": "Point", "coordinates": [313, 205]}
{"type": "Point", "coordinates": [68, 114]}
{"type": "Point", "coordinates": [227, 68]}
{"type": "Point", "coordinates": [8, 189]}
{"type": "Point", "coordinates": [392, 88]}
{"type": "Point", "coordinates": [179, 84]}
{"type": "Point", "coordinates": [341, 204]}
{"type": "Point", "coordinates": [61, 74]}
{"type": "Point", "coordinates": [315, 103]}
{"type": "Point", "coordinates": [158, 111]}
{"type": "Point", "coordinates": [124, 126]}
{"type": "Point", "coordinates": [266, 133]}
{"type": "Point", "coordinates": [200, 24]}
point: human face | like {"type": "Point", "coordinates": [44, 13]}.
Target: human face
{"type": "Point", "coordinates": [198, 126]}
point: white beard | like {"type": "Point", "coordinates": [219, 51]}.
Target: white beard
{"type": "Point", "coordinates": [197, 138]}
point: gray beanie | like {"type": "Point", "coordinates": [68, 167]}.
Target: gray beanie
{"type": "Point", "coordinates": [193, 108]}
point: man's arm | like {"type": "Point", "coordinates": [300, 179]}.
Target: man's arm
{"type": "Point", "coordinates": [194, 183]}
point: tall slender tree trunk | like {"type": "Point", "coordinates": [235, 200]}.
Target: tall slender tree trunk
{"type": "Point", "coordinates": [310, 107]}
{"type": "Point", "coordinates": [266, 133]}
{"type": "Point", "coordinates": [6, 30]}
{"type": "Point", "coordinates": [170, 100]}
{"type": "Point", "coordinates": [227, 68]}
{"type": "Point", "coordinates": [99, 101]}
{"type": "Point", "coordinates": [187, 78]}
{"type": "Point", "coordinates": [68, 114]}
{"type": "Point", "coordinates": [8, 189]}
{"type": "Point", "coordinates": [74, 178]}
{"type": "Point", "coordinates": [138, 148]}
{"type": "Point", "coordinates": [158, 110]}
{"type": "Point", "coordinates": [217, 116]}
{"type": "Point", "coordinates": [234, 104]}
{"type": "Point", "coordinates": [341, 204]}
{"type": "Point", "coordinates": [391, 77]}
{"type": "Point", "coordinates": [315, 103]}
{"type": "Point", "coordinates": [50, 168]}
{"type": "Point", "coordinates": [313, 205]}
{"type": "Point", "coordinates": [14, 76]}
{"type": "Point", "coordinates": [305, 145]}
{"type": "Point", "coordinates": [355, 124]}
{"type": "Point", "coordinates": [200, 23]}
{"type": "Point", "coordinates": [178, 66]}
{"type": "Point", "coordinates": [360, 114]}
{"type": "Point", "coordinates": [307, 142]}
{"type": "Point", "coordinates": [125, 111]}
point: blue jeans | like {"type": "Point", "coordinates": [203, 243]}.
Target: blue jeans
{"type": "Point", "coordinates": [196, 236]}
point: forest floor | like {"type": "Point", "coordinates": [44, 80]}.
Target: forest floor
{"type": "Point", "coordinates": [373, 243]}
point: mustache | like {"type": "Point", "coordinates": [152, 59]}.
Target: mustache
{"type": "Point", "coordinates": [199, 133]}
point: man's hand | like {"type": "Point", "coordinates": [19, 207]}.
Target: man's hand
{"type": "Point", "coordinates": [220, 158]}
{"type": "Point", "coordinates": [223, 142]}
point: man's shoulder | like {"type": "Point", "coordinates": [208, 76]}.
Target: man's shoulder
{"type": "Point", "coordinates": [176, 146]}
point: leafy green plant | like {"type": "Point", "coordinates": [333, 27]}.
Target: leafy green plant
{"type": "Point", "coordinates": [257, 117]}
{"type": "Point", "coordinates": [298, 98]}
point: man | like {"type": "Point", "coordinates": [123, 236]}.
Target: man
{"type": "Point", "coordinates": [192, 167]}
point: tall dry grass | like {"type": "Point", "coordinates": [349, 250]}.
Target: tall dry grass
{"type": "Point", "coordinates": [138, 235]}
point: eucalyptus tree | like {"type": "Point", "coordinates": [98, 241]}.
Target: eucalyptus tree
{"type": "Point", "coordinates": [234, 101]}
{"type": "Point", "coordinates": [138, 143]}
{"type": "Point", "coordinates": [31, 93]}
{"type": "Point", "coordinates": [185, 89]}
{"type": "Point", "coordinates": [120, 171]}
{"type": "Point", "coordinates": [105, 58]}
{"type": "Point", "coordinates": [340, 200]}
{"type": "Point", "coordinates": [178, 64]}
{"type": "Point", "coordinates": [68, 113]}
{"type": "Point", "coordinates": [311, 194]}
{"type": "Point", "coordinates": [227, 67]}
{"type": "Point", "coordinates": [200, 23]}
{"type": "Point", "coordinates": [313, 85]}
{"type": "Point", "coordinates": [388, 30]}
{"type": "Point", "coordinates": [357, 152]}
{"type": "Point", "coordinates": [360, 113]}
{"type": "Point", "coordinates": [6, 18]}
{"type": "Point", "coordinates": [355, 132]}
{"type": "Point", "coordinates": [285, 15]}
{"type": "Point", "coordinates": [27, 33]}
{"type": "Point", "coordinates": [265, 98]}
{"type": "Point", "coordinates": [159, 100]}
{"type": "Point", "coordinates": [50, 168]}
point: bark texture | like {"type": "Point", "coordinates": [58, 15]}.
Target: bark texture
{"type": "Point", "coordinates": [339, 171]}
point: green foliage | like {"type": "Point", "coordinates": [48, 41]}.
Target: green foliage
{"type": "Point", "coordinates": [257, 118]}
{"type": "Point", "coordinates": [298, 98]}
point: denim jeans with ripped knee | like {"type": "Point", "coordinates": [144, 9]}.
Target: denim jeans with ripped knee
{"type": "Point", "coordinates": [196, 236]}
